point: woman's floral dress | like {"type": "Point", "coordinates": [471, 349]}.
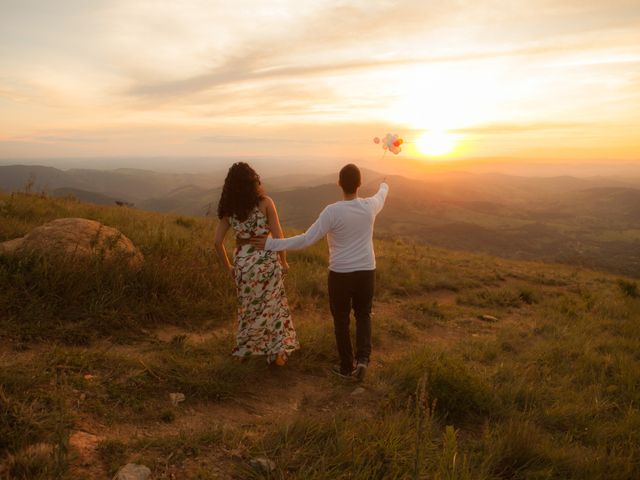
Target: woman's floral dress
{"type": "Point", "coordinates": [264, 321]}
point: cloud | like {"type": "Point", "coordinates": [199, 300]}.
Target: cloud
{"type": "Point", "coordinates": [63, 139]}
{"type": "Point", "coordinates": [231, 139]}
{"type": "Point", "coordinates": [248, 68]}
{"type": "Point", "coordinates": [339, 38]}
{"type": "Point", "coordinates": [333, 37]}
{"type": "Point", "coordinates": [510, 128]}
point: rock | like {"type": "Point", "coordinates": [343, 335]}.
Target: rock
{"type": "Point", "coordinates": [358, 391]}
{"type": "Point", "coordinates": [10, 246]}
{"type": "Point", "coordinates": [263, 464]}
{"type": "Point", "coordinates": [487, 318]}
{"type": "Point", "coordinates": [133, 471]}
{"type": "Point", "coordinates": [76, 237]}
{"type": "Point", "coordinates": [176, 398]}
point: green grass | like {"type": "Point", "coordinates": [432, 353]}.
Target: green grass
{"type": "Point", "coordinates": [424, 314]}
{"type": "Point", "coordinates": [461, 394]}
{"type": "Point", "coordinates": [499, 298]}
{"type": "Point", "coordinates": [549, 391]}
{"type": "Point", "coordinates": [179, 447]}
{"type": "Point", "coordinates": [77, 303]}
{"type": "Point", "coordinates": [34, 426]}
{"type": "Point", "coordinates": [342, 446]}
{"type": "Point", "coordinates": [629, 288]}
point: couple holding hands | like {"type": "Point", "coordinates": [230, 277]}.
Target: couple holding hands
{"type": "Point", "coordinates": [265, 326]}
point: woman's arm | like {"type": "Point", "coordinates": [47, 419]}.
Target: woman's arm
{"type": "Point", "coordinates": [221, 232]}
{"type": "Point", "coordinates": [276, 230]}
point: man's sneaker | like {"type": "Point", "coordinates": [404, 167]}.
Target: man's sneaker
{"type": "Point", "coordinates": [342, 374]}
{"type": "Point", "coordinates": [360, 371]}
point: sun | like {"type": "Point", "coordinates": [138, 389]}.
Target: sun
{"type": "Point", "coordinates": [436, 142]}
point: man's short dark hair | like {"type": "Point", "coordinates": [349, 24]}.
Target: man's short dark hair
{"type": "Point", "coordinates": [350, 178]}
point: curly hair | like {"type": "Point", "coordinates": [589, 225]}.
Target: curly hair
{"type": "Point", "coordinates": [241, 192]}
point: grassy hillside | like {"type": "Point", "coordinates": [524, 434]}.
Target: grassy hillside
{"type": "Point", "coordinates": [548, 386]}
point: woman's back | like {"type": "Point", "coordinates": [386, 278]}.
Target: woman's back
{"type": "Point", "coordinates": [256, 224]}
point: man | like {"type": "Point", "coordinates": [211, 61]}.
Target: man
{"type": "Point", "coordinates": [348, 225]}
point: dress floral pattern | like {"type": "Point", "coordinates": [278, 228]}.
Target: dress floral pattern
{"type": "Point", "coordinates": [265, 326]}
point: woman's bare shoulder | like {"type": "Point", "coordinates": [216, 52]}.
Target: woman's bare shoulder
{"type": "Point", "coordinates": [266, 202]}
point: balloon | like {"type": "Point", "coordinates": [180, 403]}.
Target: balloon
{"type": "Point", "coordinates": [390, 142]}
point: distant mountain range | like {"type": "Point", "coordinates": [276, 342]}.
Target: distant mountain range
{"type": "Point", "coordinates": [593, 221]}
{"type": "Point", "coordinates": [128, 184]}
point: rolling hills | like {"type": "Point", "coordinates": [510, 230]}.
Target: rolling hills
{"type": "Point", "coordinates": [589, 221]}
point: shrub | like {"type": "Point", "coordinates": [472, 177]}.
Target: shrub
{"type": "Point", "coordinates": [460, 394]}
{"type": "Point", "coordinates": [629, 288]}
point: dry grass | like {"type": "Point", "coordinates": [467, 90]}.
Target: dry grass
{"type": "Point", "coordinates": [550, 390]}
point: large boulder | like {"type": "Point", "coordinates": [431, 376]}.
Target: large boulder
{"type": "Point", "coordinates": [76, 238]}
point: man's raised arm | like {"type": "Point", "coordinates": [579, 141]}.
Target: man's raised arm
{"type": "Point", "coordinates": [378, 199]}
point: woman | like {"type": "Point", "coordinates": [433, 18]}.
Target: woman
{"type": "Point", "coordinates": [264, 321]}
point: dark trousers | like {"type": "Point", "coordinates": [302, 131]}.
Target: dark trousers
{"type": "Point", "coordinates": [347, 290]}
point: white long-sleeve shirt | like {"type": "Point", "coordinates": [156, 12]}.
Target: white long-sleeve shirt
{"type": "Point", "coordinates": [348, 226]}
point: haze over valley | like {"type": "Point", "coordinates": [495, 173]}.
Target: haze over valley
{"type": "Point", "coordinates": [591, 221]}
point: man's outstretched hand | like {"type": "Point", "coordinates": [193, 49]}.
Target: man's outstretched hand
{"type": "Point", "coordinates": [257, 242]}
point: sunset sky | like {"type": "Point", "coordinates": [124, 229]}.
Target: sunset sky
{"type": "Point", "coordinates": [522, 80]}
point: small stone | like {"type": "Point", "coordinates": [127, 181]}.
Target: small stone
{"type": "Point", "coordinates": [133, 471]}
{"type": "Point", "coordinates": [176, 398]}
{"type": "Point", "coordinates": [263, 464]}
{"type": "Point", "coordinates": [612, 389]}
{"type": "Point", "coordinates": [488, 318]}
{"type": "Point", "coordinates": [358, 391]}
